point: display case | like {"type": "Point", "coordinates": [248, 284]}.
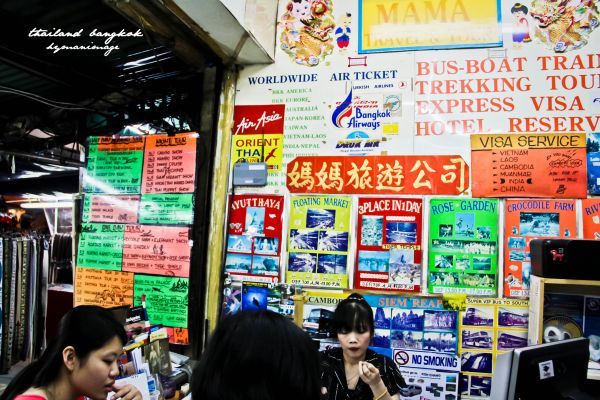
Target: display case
{"type": "Point", "coordinates": [540, 288]}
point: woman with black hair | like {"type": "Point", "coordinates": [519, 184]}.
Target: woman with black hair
{"type": "Point", "coordinates": [353, 371]}
{"type": "Point", "coordinates": [258, 355]}
{"type": "Point", "coordinates": [80, 361]}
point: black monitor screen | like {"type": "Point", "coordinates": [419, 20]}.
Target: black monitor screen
{"type": "Point", "coordinates": [551, 370]}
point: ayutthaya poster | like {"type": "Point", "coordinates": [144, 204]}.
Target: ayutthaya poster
{"type": "Point", "coordinates": [254, 237]}
{"type": "Point", "coordinates": [318, 241]}
{"type": "Point", "coordinates": [463, 246]}
{"type": "Point", "coordinates": [388, 248]}
{"type": "Point", "coordinates": [526, 220]}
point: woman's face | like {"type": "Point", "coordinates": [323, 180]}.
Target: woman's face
{"type": "Point", "coordinates": [354, 344]}
{"type": "Point", "coordinates": [95, 375]}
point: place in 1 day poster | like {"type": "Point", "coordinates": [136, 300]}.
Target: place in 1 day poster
{"type": "Point", "coordinates": [388, 249]}
{"type": "Point", "coordinates": [488, 326]}
{"type": "Point", "coordinates": [318, 241]}
{"type": "Point", "coordinates": [254, 236]}
{"type": "Point", "coordinates": [463, 246]}
{"type": "Point", "coordinates": [420, 335]}
{"type": "Point", "coordinates": [590, 218]}
{"type": "Point", "coordinates": [526, 220]}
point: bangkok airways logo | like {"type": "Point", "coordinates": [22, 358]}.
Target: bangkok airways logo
{"type": "Point", "coordinates": [343, 111]}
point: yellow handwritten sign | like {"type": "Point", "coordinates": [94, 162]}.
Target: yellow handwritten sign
{"type": "Point", "coordinates": [400, 25]}
{"type": "Point", "coordinates": [103, 288]}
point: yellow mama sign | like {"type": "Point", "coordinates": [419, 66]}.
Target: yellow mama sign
{"type": "Point", "coordinates": [399, 25]}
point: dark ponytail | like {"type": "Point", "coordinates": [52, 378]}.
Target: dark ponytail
{"type": "Point", "coordinates": [86, 328]}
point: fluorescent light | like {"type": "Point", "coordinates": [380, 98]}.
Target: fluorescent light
{"type": "Point", "coordinates": [47, 204]}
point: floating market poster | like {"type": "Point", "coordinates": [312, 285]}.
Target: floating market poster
{"type": "Point", "coordinates": [529, 165]}
{"type": "Point", "coordinates": [421, 337]}
{"type": "Point", "coordinates": [166, 299]}
{"type": "Point", "coordinates": [488, 327]}
{"type": "Point", "coordinates": [526, 220]}
{"type": "Point", "coordinates": [463, 246]}
{"type": "Point", "coordinates": [591, 218]}
{"type": "Point", "coordinates": [318, 241]}
{"type": "Point", "coordinates": [170, 164]}
{"type": "Point", "coordinates": [388, 250]}
{"type": "Point", "coordinates": [254, 237]}
{"type": "Point", "coordinates": [101, 246]}
{"type": "Point", "coordinates": [114, 165]}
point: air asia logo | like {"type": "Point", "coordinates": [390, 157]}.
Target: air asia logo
{"type": "Point", "coordinates": [358, 114]}
{"type": "Point", "coordinates": [357, 143]}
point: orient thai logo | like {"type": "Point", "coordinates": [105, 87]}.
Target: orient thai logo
{"type": "Point", "coordinates": [342, 112]}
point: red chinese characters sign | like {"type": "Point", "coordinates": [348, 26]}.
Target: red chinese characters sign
{"type": "Point", "coordinates": [444, 174]}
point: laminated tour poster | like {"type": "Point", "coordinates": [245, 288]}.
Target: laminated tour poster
{"type": "Point", "coordinates": [318, 241]}
{"type": "Point", "coordinates": [488, 327]}
{"type": "Point", "coordinates": [101, 246]}
{"type": "Point", "coordinates": [166, 298]}
{"type": "Point", "coordinates": [528, 219]}
{"type": "Point", "coordinates": [254, 237]}
{"type": "Point", "coordinates": [389, 252]}
{"type": "Point", "coordinates": [114, 165]}
{"type": "Point", "coordinates": [463, 246]}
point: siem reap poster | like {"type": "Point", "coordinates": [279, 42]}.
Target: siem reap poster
{"type": "Point", "coordinates": [526, 220]}
{"type": "Point", "coordinates": [463, 246]}
{"type": "Point", "coordinates": [254, 237]}
{"type": "Point", "coordinates": [318, 241]}
{"type": "Point", "coordinates": [388, 248]}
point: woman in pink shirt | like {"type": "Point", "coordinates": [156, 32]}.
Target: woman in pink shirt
{"type": "Point", "coordinates": [80, 361]}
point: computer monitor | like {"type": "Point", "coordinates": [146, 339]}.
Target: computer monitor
{"type": "Point", "coordinates": [556, 370]}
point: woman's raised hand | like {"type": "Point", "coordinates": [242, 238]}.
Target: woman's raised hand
{"type": "Point", "coordinates": [368, 373]}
